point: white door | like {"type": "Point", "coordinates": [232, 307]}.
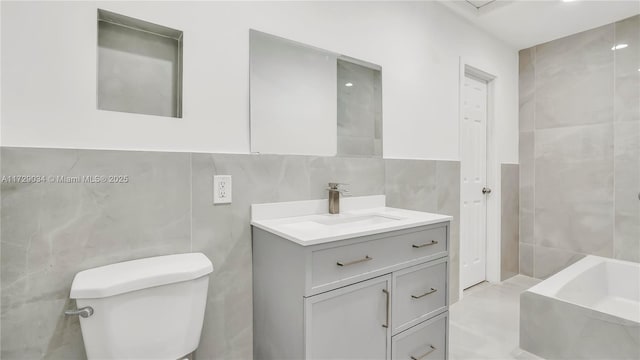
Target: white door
{"type": "Point", "coordinates": [350, 322]}
{"type": "Point", "coordinates": [473, 224]}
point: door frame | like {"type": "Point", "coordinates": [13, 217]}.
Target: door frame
{"type": "Point", "coordinates": [493, 168]}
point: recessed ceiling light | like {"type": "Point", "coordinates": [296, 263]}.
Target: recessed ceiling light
{"type": "Point", "coordinates": [348, 84]}
{"type": "Point", "coordinates": [619, 46]}
{"type": "Point", "coordinates": [568, 0]}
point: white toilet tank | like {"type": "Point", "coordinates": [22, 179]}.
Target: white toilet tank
{"type": "Point", "coordinates": [149, 308]}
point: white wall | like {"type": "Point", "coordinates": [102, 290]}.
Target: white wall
{"type": "Point", "coordinates": [49, 73]}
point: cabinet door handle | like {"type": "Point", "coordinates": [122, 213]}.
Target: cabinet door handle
{"type": "Point", "coordinates": [432, 349]}
{"type": "Point", "coordinates": [366, 258]}
{"type": "Point", "coordinates": [425, 294]}
{"type": "Point", "coordinates": [386, 292]}
{"type": "Point", "coordinates": [433, 242]}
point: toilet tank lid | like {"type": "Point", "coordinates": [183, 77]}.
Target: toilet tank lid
{"type": "Point", "coordinates": [139, 274]}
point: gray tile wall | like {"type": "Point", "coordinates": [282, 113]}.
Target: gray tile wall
{"type": "Point", "coordinates": [51, 231]}
{"type": "Point", "coordinates": [509, 234]}
{"type": "Point", "coordinates": [431, 186]}
{"type": "Point", "coordinates": [626, 134]}
{"type": "Point", "coordinates": [580, 149]}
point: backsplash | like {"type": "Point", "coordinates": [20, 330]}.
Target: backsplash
{"type": "Point", "coordinates": [580, 149]}
{"type": "Point", "coordinates": [53, 230]}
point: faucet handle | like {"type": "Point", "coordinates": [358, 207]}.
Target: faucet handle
{"type": "Point", "coordinates": [335, 186]}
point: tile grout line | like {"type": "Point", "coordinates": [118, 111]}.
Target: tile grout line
{"type": "Point", "coordinates": [190, 202]}
{"type": "Point", "coordinates": [613, 151]}
{"type": "Point", "coordinates": [533, 188]}
{"type": "Point", "coordinates": [578, 126]}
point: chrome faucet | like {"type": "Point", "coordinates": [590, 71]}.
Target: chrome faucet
{"type": "Point", "coordinates": [334, 196]}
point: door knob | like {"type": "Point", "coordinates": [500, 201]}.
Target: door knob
{"type": "Point", "coordinates": [486, 190]}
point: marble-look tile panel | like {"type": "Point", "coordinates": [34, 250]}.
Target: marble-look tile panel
{"type": "Point", "coordinates": [431, 186]}
{"type": "Point", "coordinates": [627, 190]}
{"type": "Point", "coordinates": [526, 259]}
{"type": "Point", "coordinates": [573, 79]}
{"type": "Point", "coordinates": [364, 176]}
{"type": "Point", "coordinates": [527, 186]}
{"type": "Point", "coordinates": [51, 231]}
{"type": "Point", "coordinates": [223, 233]}
{"type": "Point", "coordinates": [509, 253]}
{"type": "Point", "coordinates": [548, 261]}
{"type": "Point", "coordinates": [411, 184]}
{"type": "Point", "coordinates": [356, 146]}
{"type": "Point", "coordinates": [526, 149]}
{"type": "Point", "coordinates": [526, 89]}
{"type": "Point", "coordinates": [448, 189]}
{"type": "Point", "coordinates": [526, 181]}
{"type": "Point", "coordinates": [627, 76]}
{"type": "Point", "coordinates": [574, 189]}
{"type": "Point", "coordinates": [580, 195]}
{"type": "Point", "coordinates": [627, 141]}
{"type": "Point", "coordinates": [526, 215]}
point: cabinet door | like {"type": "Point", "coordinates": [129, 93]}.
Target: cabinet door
{"type": "Point", "coordinates": [350, 323]}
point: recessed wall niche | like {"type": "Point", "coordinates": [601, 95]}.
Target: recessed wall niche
{"type": "Point", "coordinates": [139, 66]}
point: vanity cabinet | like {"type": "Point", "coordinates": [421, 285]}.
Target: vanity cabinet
{"type": "Point", "coordinates": [382, 296]}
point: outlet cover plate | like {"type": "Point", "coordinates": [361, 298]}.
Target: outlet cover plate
{"type": "Point", "coordinates": [222, 189]}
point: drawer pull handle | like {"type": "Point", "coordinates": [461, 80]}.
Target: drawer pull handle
{"type": "Point", "coordinates": [386, 292]}
{"type": "Point", "coordinates": [425, 294]}
{"type": "Point", "coordinates": [432, 349]}
{"type": "Point", "coordinates": [433, 242]}
{"type": "Point", "coordinates": [366, 258]}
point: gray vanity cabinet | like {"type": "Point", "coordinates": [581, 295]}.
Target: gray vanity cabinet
{"type": "Point", "coordinates": [382, 296]}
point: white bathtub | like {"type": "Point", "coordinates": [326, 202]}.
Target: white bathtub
{"type": "Point", "coordinates": [590, 310]}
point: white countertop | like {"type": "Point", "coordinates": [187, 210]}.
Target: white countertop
{"type": "Point", "coordinates": [309, 223]}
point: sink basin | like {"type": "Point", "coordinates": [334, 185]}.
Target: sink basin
{"type": "Point", "coordinates": [370, 219]}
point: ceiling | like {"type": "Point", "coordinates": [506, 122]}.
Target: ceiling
{"type": "Point", "coordinates": [523, 24]}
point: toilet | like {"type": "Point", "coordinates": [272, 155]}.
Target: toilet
{"type": "Point", "coordinates": [150, 308]}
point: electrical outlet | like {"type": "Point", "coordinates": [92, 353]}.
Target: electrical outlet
{"type": "Point", "coordinates": [222, 189]}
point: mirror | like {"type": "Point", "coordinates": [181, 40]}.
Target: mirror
{"type": "Point", "coordinates": [310, 101]}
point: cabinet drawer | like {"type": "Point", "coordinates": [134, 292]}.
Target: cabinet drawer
{"type": "Point", "coordinates": [426, 341]}
{"type": "Point", "coordinates": [419, 292]}
{"type": "Point", "coordinates": [363, 259]}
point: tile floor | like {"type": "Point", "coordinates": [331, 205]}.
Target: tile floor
{"type": "Point", "coordinates": [485, 323]}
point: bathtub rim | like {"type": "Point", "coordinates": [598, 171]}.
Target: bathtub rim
{"type": "Point", "coordinates": [551, 286]}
